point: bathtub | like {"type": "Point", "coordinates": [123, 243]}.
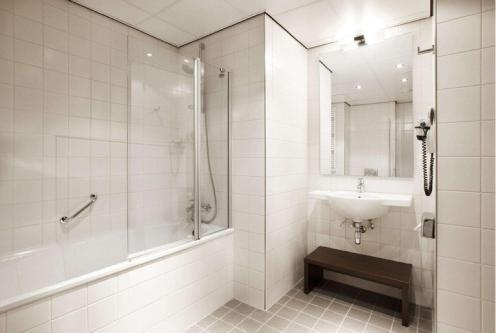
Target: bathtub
{"type": "Point", "coordinates": [37, 273]}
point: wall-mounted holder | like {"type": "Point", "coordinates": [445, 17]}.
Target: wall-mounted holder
{"type": "Point", "coordinates": [428, 225]}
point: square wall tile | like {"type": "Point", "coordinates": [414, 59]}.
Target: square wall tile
{"type": "Point", "coordinates": [459, 173]}
{"type": "Point", "coordinates": [488, 282]}
{"type": "Point", "coordinates": [488, 101]}
{"type": "Point", "coordinates": [463, 34]}
{"type": "Point", "coordinates": [488, 174]}
{"type": "Point", "coordinates": [459, 208]}
{"type": "Point", "coordinates": [458, 310]}
{"type": "Point", "coordinates": [488, 210]}
{"type": "Point", "coordinates": [488, 28]}
{"type": "Point", "coordinates": [452, 9]}
{"type": "Point", "coordinates": [462, 243]}
{"type": "Point", "coordinates": [488, 138]}
{"type": "Point", "coordinates": [488, 247]}
{"type": "Point", "coordinates": [488, 317]}
{"type": "Point", "coordinates": [488, 65]}
{"type": "Point", "coordinates": [459, 276]}
{"type": "Point", "coordinates": [459, 70]}
{"type": "Point", "coordinates": [453, 142]}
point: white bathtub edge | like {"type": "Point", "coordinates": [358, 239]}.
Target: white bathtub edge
{"type": "Point", "coordinates": [130, 262]}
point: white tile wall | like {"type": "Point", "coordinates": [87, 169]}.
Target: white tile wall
{"type": "Point", "coordinates": [466, 221]}
{"type": "Point", "coordinates": [240, 50]}
{"type": "Point", "coordinates": [60, 142]}
{"type": "Point", "coordinates": [167, 295]}
{"type": "Point", "coordinates": [394, 236]}
{"type": "Point", "coordinates": [286, 161]}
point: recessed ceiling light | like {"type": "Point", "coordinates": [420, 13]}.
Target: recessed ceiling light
{"type": "Point", "coordinates": [404, 80]}
{"type": "Point", "coordinates": [399, 66]}
{"type": "Point", "coordinates": [186, 61]}
{"type": "Point", "coordinates": [149, 54]}
{"type": "Point", "coordinates": [358, 87]}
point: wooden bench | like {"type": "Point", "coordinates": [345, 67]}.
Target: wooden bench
{"type": "Point", "coordinates": [383, 271]}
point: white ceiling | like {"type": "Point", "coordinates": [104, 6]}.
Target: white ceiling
{"type": "Point", "coordinates": [374, 68]}
{"type": "Point", "coordinates": [313, 22]}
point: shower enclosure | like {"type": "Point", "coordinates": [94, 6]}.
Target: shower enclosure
{"type": "Point", "coordinates": [150, 173]}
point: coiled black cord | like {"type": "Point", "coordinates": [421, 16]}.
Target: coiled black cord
{"type": "Point", "coordinates": [427, 180]}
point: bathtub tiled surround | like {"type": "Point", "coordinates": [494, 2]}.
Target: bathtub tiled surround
{"type": "Point", "coordinates": [167, 295]}
{"type": "Point", "coordinates": [466, 191]}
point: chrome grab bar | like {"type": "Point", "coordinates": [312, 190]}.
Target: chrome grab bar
{"type": "Point", "coordinates": [65, 219]}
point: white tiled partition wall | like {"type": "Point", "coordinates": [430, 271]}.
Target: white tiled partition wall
{"type": "Point", "coordinates": [396, 236]}
{"type": "Point", "coordinates": [286, 161]}
{"type": "Point", "coordinates": [466, 150]}
{"type": "Point", "coordinates": [167, 295]}
{"type": "Point", "coordinates": [240, 50]}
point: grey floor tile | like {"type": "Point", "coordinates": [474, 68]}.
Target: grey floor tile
{"type": "Point", "coordinates": [313, 310]}
{"type": "Point", "coordinates": [358, 314]}
{"type": "Point", "coordinates": [306, 320]}
{"type": "Point", "coordinates": [232, 303]}
{"type": "Point", "coordinates": [339, 308]}
{"type": "Point", "coordinates": [332, 317]}
{"type": "Point", "coordinates": [332, 308]}
{"type": "Point", "coordinates": [219, 327]}
{"type": "Point", "coordinates": [296, 328]}
{"type": "Point", "coordinates": [195, 329]}
{"type": "Point", "coordinates": [261, 316]}
{"type": "Point", "coordinates": [321, 302]}
{"type": "Point", "coordinates": [278, 323]}
{"type": "Point", "coordinates": [233, 318]}
{"type": "Point", "coordinates": [296, 304]}
{"type": "Point", "coordinates": [236, 330]}
{"type": "Point", "coordinates": [244, 309]}
{"type": "Point", "coordinates": [375, 329]}
{"type": "Point", "coordinates": [249, 325]}
{"type": "Point", "coordinates": [303, 297]}
{"type": "Point", "coordinates": [353, 325]}
{"type": "Point", "coordinates": [323, 326]}
{"type": "Point", "coordinates": [381, 322]}
{"type": "Point", "coordinates": [221, 312]}
{"type": "Point", "coordinates": [287, 313]}
{"type": "Point", "coordinates": [267, 329]}
{"type": "Point", "coordinates": [207, 321]}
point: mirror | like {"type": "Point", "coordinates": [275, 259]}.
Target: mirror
{"type": "Point", "coordinates": [366, 109]}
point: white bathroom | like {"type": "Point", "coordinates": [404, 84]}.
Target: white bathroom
{"type": "Point", "coordinates": [247, 166]}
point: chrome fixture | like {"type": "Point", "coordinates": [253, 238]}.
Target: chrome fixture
{"type": "Point", "coordinates": [361, 185]}
{"type": "Point", "coordinates": [65, 219]}
{"type": "Point", "coordinates": [428, 225]}
{"type": "Point", "coordinates": [196, 148]}
{"type": "Point", "coordinates": [360, 228]}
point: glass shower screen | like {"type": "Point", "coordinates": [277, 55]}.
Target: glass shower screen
{"type": "Point", "coordinates": [171, 183]}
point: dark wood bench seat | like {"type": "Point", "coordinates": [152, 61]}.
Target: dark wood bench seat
{"type": "Point", "coordinates": [387, 272]}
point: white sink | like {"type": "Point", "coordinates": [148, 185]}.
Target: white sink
{"type": "Point", "coordinates": [364, 206]}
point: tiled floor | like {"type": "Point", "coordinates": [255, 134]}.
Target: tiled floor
{"type": "Point", "coordinates": [330, 308]}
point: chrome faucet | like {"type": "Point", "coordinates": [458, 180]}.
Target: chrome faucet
{"type": "Point", "coordinates": [361, 185]}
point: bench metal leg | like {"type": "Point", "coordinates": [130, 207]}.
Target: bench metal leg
{"type": "Point", "coordinates": [312, 277]}
{"type": "Point", "coordinates": [405, 306]}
